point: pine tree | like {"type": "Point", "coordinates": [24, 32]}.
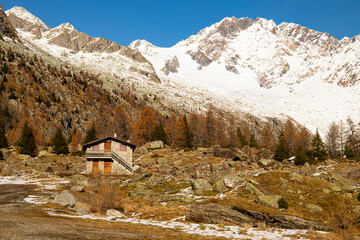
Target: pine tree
{"type": "Point", "coordinates": [188, 135]}
{"type": "Point", "coordinates": [59, 143]}
{"type": "Point", "coordinates": [144, 126]}
{"type": "Point", "coordinates": [318, 147]}
{"type": "Point", "coordinates": [349, 153]}
{"type": "Point", "coordinates": [90, 134]}
{"type": "Point", "coordinates": [242, 138]}
{"type": "Point", "coordinates": [282, 151]}
{"type": "Point", "coordinates": [159, 134]}
{"type": "Point", "coordinates": [253, 142]}
{"type": "Point", "coordinates": [27, 142]}
{"type": "Point", "coordinates": [3, 140]}
{"type": "Point", "coordinates": [300, 156]}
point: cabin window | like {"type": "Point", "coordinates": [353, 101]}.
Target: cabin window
{"type": "Point", "coordinates": [122, 147]}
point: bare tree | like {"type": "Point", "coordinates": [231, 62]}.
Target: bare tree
{"type": "Point", "coordinates": [332, 139]}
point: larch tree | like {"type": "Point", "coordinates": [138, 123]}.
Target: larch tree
{"type": "Point", "coordinates": [122, 122]}
{"type": "Point", "coordinates": [170, 129]}
{"type": "Point", "coordinates": [332, 139]}
{"type": "Point", "coordinates": [180, 132]}
{"type": "Point", "coordinates": [76, 140]}
{"type": "Point", "coordinates": [304, 138]}
{"type": "Point", "coordinates": [290, 134]}
{"type": "Point", "coordinates": [144, 126]}
{"type": "Point", "coordinates": [267, 138]}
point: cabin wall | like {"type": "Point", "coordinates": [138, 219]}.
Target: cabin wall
{"type": "Point", "coordinates": [125, 152]}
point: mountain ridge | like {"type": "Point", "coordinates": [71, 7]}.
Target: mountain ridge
{"type": "Point", "coordinates": [238, 65]}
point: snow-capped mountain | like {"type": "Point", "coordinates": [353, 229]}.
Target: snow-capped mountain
{"type": "Point", "coordinates": [268, 69]}
{"type": "Point", "coordinates": [239, 65]}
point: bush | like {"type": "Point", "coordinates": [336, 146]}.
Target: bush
{"type": "Point", "coordinates": [283, 204]}
{"type": "Point", "coordinates": [12, 96]}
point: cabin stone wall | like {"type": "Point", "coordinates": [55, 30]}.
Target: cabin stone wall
{"type": "Point", "coordinates": [125, 152]}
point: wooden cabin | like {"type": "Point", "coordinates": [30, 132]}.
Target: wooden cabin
{"type": "Point", "coordinates": [109, 156]}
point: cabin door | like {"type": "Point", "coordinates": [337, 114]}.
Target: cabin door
{"type": "Point", "coordinates": [95, 166]}
{"type": "Point", "coordinates": [107, 148]}
{"type": "Point", "coordinates": [107, 166]}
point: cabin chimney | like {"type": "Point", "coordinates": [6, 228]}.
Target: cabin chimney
{"type": "Point", "coordinates": [114, 135]}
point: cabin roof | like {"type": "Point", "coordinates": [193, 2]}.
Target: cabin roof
{"type": "Point", "coordinates": [89, 144]}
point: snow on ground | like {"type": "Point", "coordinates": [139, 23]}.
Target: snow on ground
{"type": "Point", "coordinates": [213, 230]}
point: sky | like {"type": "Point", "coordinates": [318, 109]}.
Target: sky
{"type": "Point", "coordinates": [166, 22]}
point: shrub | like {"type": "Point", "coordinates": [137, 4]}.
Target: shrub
{"type": "Point", "coordinates": [283, 204]}
{"type": "Point", "coordinates": [12, 96]}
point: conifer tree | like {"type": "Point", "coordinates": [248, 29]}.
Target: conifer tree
{"type": "Point", "coordinates": [253, 142]}
{"type": "Point", "coordinates": [300, 156]}
{"type": "Point", "coordinates": [349, 153]}
{"type": "Point", "coordinates": [90, 134]}
{"type": "Point", "coordinates": [282, 151]}
{"type": "Point", "coordinates": [242, 138]}
{"type": "Point", "coordinates": [59, 143]}
{"type": "Point", "coordinates": [159, 134]}
{"type": "Point", "coordinates": [27, 142]}
{"type": "Point", "coordinates": [3, 140]}
{"type": "Point", "coordinates": [318, 147]}
{"type": "Point", "coordinates": [188, 135]}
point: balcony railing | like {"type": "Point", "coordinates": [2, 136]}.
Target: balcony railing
{"type": "Point", "coordinates": [109, 154]}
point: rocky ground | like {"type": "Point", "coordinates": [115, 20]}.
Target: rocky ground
{"type": "Point", "coordinates": [176, 194]}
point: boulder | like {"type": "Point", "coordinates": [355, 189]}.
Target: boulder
{"type": "Point", "coordinates": [114, 213]}
{"type": "Point", "coordinates": [214, 213]}
{"type": "Point", "coordinates": [314, 207]}
{"type": "Point", "coordinates": [251, 188]}
{"type": "Point", "coordinates": [294, 176]}
{"type": "Point", "coordinates": [141, 150]}
{"type": "Point", "coordinates": [291, 222]}
{"type": "Point", "coordinates": [156, 145]}
{"type": "Point", "coordinates": [201, 184]}
{"type": "Point", "coordinates": [344, 183]}
{"type": "Point", "coordinates": [77, 188]}
{"type": "Point", "coordinates": [141, 177]}
{"type": "Point", "coordinates": [82, 208]}
{"type": "Point", "coordinates": [269, 201]}
{"type": "Point", "coordinates": [231, 180]}
{"type": "Point", "coordinates": [65, 198]}
{"type": "Point", "coordinates": [220, 187]}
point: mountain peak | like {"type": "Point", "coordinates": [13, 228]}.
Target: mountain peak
{"type": "Point", "coordinates": [25, 15]}
{"type": "Point", "coordinates": [67, 26]}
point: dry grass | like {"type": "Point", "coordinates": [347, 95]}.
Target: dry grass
{"type": "Point", "coordinates": [344, 221]}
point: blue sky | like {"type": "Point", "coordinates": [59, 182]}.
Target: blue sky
{"type": "Point", "coordinates": [166, 22]}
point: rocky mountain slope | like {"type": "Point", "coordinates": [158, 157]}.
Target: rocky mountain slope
{"type": "Point", "coordinates": [242, 66]}
{"type": "Point", "coordinates": [267, 69]}
{"type": "Point", "coordinates": [119, 67]}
